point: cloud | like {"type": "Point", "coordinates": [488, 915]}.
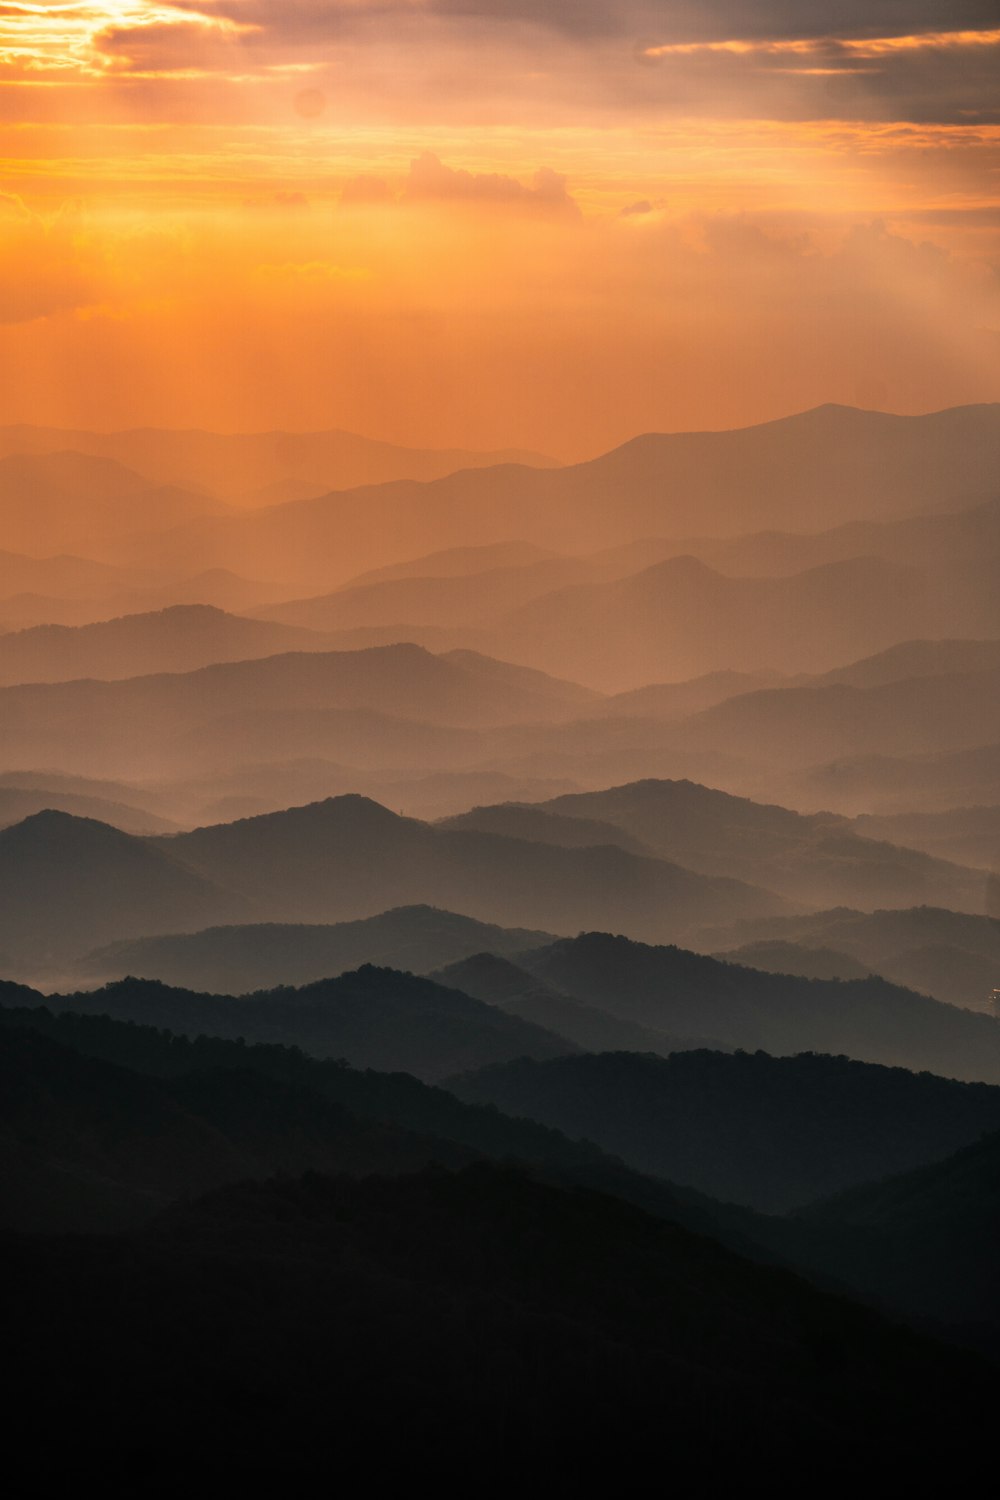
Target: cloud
{"type": "Point", "coordinates": [44, 268]}
{"type": "Point", "coordinates": [430, 179]}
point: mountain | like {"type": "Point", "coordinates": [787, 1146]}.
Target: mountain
{"type": "Point", "coordinates": [373, 1018]}
{"type": "Point", "coordinates": [801, 473]}
{"type": "Point", "coordinates": [686, 994]}
{"type": "Point", "coordinates": [18, 803]}
{"type": "Point", "coordinates": [67, 883]}
{"type": "Point", "coordinates": [769, 1132]}
{"type": "Point", "coordinates": [243, 466]}
{"type": "Point", "coordinates": [348, 856]}
{"type": "Point", "coordinates": [911, 659]}
{"type": "Point", "coordinates": [456, 562]}
{"type": "Point", "coordinates": [180, 639]}
{"type": "Point", "coordinates": [890, 783]}
{"type": "Point", "coordinates": [680, 619]}
{"type": "Point", "coordinates": [802, 726]}
{"type": "Point", "coordinates": [918, 1244]}
{"type": "Point", "coordinates": [286, 705]}
{"type": "Point", "coordinates": [970, 835]}
{"type": "Point", "coordinates": [232, 960]}
{"type": "Point", "coordinates": [817, 858]}
{"type": "Point", "coordinates": [954, 956]}
{"type": "Point", "coordinates": [676, 700]}
{"type": "Point", "coordinates": [454, 601]}
{"type": "Point", "coordinates": [462, 1306]}
{"type": "Point", "coordinates": [499, 982]}
{"type": "Point", "coordinates": [73, 502]}
{"type": "Point", "coordinates": [90, 1146]}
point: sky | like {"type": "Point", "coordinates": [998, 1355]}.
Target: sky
{"type": "Point", "coordinates": [544, 224]}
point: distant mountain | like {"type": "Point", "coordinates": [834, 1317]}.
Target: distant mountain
{"type": "Point", "coordinates": [72, 591]}
{"type": "Point", "coordinates": [372, 1018]}
{"type": "Point", "coordinates": [180, 639]}
{"type": "Point", "coordinates": [242, 465]}
{"type": "Point", "coordinates": [814, 858]}
{"type": "Point", "coordinates": [954, 956]}
{"type": "Point", "coordinates": [675, 700]}
{"type": "Point", "coordinates": [67, 883]}
{"type": "Point", "coordinates": [802, 726]}
{"type": "Point", "coordinates": [232, 960]}
{"type": "Point", "coordinates": [800, 473]}
{"type": "Point", "coordinates": [340, 704]}
{"type": "Point", "coordinates": [686, 994]}
{"type": "Point", "coordinates": [680, 618]}
{"type": "Point", "coordinates": [499, 982]}
{"type": "Point", "coordinates": [73, 502]}
{"type": "Point", "coordinates": [970, 835]}
{"type": "Point", "coordinates": [348, 857]}
{"type": "Point", "coordinates": [454, 601]}
{"type": "Point", "coordinates": [889, 783]}
{"type": "Point", "coordinates": [767, 1132]}
{"type": "Point", "coordinates": [911, 659]}
{"type": "Point", "coordinates": [18, 803]}
{"type": "Point", "coordinates": [456, 562]}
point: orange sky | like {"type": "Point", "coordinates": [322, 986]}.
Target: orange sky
{"type": "Point", "coordinates": [540, 222]}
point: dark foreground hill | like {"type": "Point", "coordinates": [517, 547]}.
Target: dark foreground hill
{"type": "Point", "coordinates": [686, 994]}
{"type": "Point", "coordinates": [767, 1132]}
{"type": "Point", "coordinates": [90, 1146]}
{"type": "Point", "coordinates": [922, 1244]}
{"type": "Point", "coordinates": [451, 1319]}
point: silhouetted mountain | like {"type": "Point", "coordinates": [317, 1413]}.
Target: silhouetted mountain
{"type": "Point", "coordinates": [954, 956]}
{"type": "Point", "coordinates": [777, 957]}
{"type": "Point", "coordinates": [232, 960]}
{"type": "Point", "coordinates": [395, 1101]}
{"type": "Point", "coordinates": [675, 700]}
{"type": "Point", "coordinates": [763, 1131]}
{"type": "Point", "coordinates": [241, 465]}
{"type": "Point", "coordinates": [348, 857]}
{"type": "Point", "coordinates": [680, 619]}
{"type": "Point", "coordinates": [66, 883]}
{"type": "Point", "coordinates": [456, 562]}
{"type": "Point", "coordinates": [687, 994]}
{"type": "Point", "coordinates": [499, 982]}
{"type": "Point", "coordinates": [374, 1018]}
{"type": "Point", "coordinates": [831, 464]}
{"type": "Point", "coordinates": [889, 783]}
{"type": "Point", "coordinates": [18, 803]}
{"type": "Point", "coordinates": [92, 1146]}
{"type": "Point", "coordinates": [462, 1315]}
{"type": "Point", "coordinates": [278, 705]}
{"type": "Point", "coordinates": [921, 1245]}
{"type": "Point", "coordinates": [970, 835]}
{"type": "Point", "coordinates": [817, 858]}
{"type": "Point", "coordinates": [179, 639]}
{"type": "Point", "coordinates": [802, 726]}
{"type": "Point", "coordinates": [912, 659]}
{"type": "Point", "coordinates": [73, 502]}
{"type": "Point", "coordinates": [462, 600]}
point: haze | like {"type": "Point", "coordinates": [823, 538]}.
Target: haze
{"type": "Point", "coordinates": [500, 740]}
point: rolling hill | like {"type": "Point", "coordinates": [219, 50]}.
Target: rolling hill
{"type": "Point", "coordinates": [233, 960]}
{"type": "Point", "coordinates": [770, 1133]}
{"type": "Point", "coordinates": [816, 858]}
{"type": "Point", "coordinates": [685, 993]}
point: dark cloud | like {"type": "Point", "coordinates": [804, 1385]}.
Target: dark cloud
{"type": "Point", "coordinates": [667, 20]}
